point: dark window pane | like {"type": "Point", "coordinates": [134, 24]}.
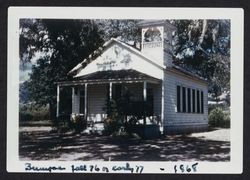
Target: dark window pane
{"type": "Point", "coordinates": [193, 100]}
{"type": "Point", "coordinates": [183, 99]}
{"type": "Point", "coordinates": [178, 99]}
{"type": "Point", "coordinates": [202, 103]}
{"type": "Point", "coordinates": [189, 100]}
{"type": "Point", "coordinates": [198, 101]}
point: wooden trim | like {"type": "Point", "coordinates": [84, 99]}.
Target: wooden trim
{"type": "Point", "coordinates": [186, 89]}
{"type": "Point", "coordinates": [162, 105]}
{"type": "Point", "coordinates": [145, 91]}
{"type": "Point", "coordinates": [57, 101]}
{"type": "Point", "coordinates": [196, 79]}
{"type": "Point", "coordinates": [110, 90]}
{"type": "Point", "coordinates": [107, 44]}
{"type": "Point", "coordinates": [181, 101]}
{"type": "Point", "coordinates": [82, 82]}
{"type": "Point", "coordinates": [191, 99]}
{"type": "Point", "coordinates": [85, 101]}
{"type": "Point", "coordinates": [73, 99]}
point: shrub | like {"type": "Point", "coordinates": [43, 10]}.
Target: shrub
{"type": "Point", "coordinates": [113, 121]}
{"type": "Point", "coordinates": [227, 119]}
{"type": "Point", "coordinates": [78, 123]}
{"type": "Point", "coordinates": [33, 112]}
{"type": "Point", "coordinates": [111, 125]}
{"type": "Point", "coordinates": [217, 118]}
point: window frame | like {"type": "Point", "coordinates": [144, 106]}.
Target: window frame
{"type": "Point", "coordinates": [189, 100]}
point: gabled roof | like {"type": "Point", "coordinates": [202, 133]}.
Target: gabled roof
{"type": "Point", "coordinates": [186, 73]}
{"type": "Point", "coordinates": [106, 45]}
{"type": "Point", "coordinates": [100, 50]}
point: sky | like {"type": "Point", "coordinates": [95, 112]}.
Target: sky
{"type": "Point", "coordinates": [25, 69]}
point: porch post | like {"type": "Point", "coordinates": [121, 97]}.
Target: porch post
{"type": "Point", "coordinates": [145, 91]}
{"type": "Point", "coordinates": [85, 100]}
{"type": "Point", "coordinates": [110, 90]}
{"type": "Point", "coordinates": [144, 100]}
{"type": "Point", "coordinates": [191, 99]}
{"type": "Point", "coordinates": [57, 101]}
{"type": "Point", "coordinates": [73, 99]}
{"type": "Point", "coordinates": [162, 107]}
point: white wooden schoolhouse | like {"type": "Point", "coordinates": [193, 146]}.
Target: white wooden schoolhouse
{"type": "Point", "coordinates": [176, 98]}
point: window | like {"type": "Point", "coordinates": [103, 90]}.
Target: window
{"type": "Point", "coordinates": [193, 99]}
{"type": "Point", "coordinates": [183, 99]}
{"type": "Point", "coordinates": [198, 101]}
{"type": "Point", "coordinates": [202, 102]}
{"type": "Point", "coordinates": [178, 99]}
{"type": "Point", "coordinates": [189, 100]}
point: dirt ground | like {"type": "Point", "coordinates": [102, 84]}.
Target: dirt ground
{"type": "Point", "coordinates": [39, 143]}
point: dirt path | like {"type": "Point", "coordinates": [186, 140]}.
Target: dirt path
{"type": "Point", "coordinates": [216, 135]}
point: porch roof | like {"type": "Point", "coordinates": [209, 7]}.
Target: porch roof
{"type": "Point", "coordinates": [118, 76]}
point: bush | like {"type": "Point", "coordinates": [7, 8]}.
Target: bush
{"type": "Point", "coordinates": [32, 112]}
{"type": "Point", "coordinates": [227, 119]}
{"type": "Point", "coordinates": [111, 125]}
{"type": "Point", "coordinates": [218, 118]}
{"type": "Point", "coordinates": [113, 121]}
{"type": "Point", "coordinates": [78, 123]}
{"type": "Point", "coordinates": [24, 116]}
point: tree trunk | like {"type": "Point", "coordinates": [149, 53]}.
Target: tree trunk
{"type": "Point", "coordinates": [204, 30]}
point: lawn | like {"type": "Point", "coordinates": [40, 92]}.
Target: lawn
{"type": "Point", "coordinates": [39, 143]}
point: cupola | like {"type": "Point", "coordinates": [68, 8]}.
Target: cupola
{"type": "Point", "coordinates": [156, 40]}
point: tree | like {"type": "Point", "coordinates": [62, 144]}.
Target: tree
{"type": "Point", "coordinates": [23, 92]}
{"type": "Point", "coordinates": [125, 30]}
{"type": "Point", "coordinates": [204, 47]}
{"type": "Point", "coordinates": [64, 43]}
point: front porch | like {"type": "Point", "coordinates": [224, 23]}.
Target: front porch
{"type": "Point", "coordinates": [137, 97]}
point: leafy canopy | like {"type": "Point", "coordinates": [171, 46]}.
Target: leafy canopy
{"type": "Point", "coordinates": [202, 46]}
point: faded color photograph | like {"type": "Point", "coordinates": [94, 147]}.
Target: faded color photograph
{"type": "Point", "coordinates": [124, 90]}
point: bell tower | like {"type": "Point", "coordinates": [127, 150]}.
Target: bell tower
{"type": "Point", "coordinates": [156, 40]}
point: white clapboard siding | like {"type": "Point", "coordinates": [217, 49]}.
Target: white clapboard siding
{"type": "Point", "coordinates": [157, 98]}
{"type": "Point", "coordinates": [119, 57]}
{"type": "Point", "coordinates": [97, 95]}
{"type": "Point", "coordinates": [171, 116]}
{"type": "Point", "coordinates": [76, 101]}
{"type": "Point", "coordinates": [167, 59]}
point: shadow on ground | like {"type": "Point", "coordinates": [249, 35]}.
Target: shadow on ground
{"type": "Point", "coordinates": [45, 145]}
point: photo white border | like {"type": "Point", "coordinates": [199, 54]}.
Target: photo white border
{"type": "Point", "coordinates": [236, 16]}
